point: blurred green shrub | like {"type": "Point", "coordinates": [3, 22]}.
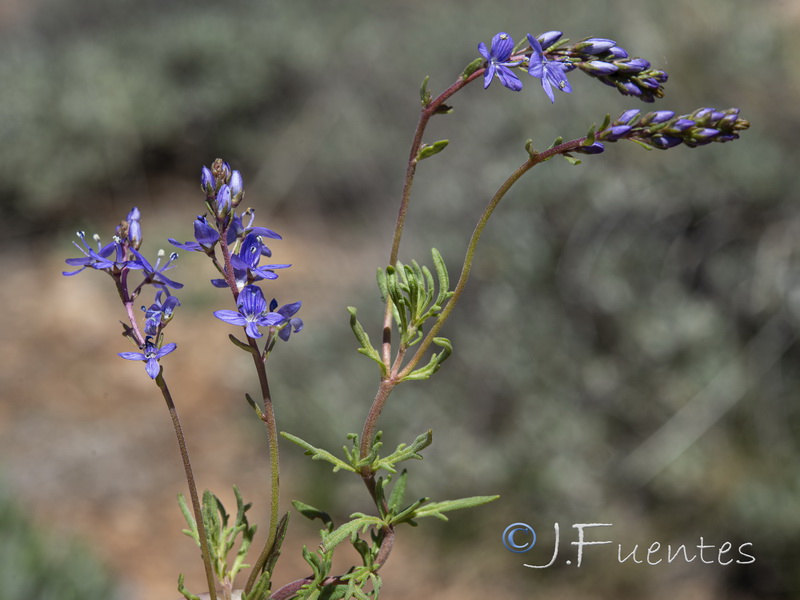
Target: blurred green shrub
{"type": "Point", "coordinates": [35, 565]}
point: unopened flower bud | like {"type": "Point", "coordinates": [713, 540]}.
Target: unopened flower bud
{"type": "Point", "coordinates": [659, 116]}
{"type": "Point", "coordinates": [628, 116]}
{"type": "Point", "coordinates": [549, 38]}
{"type": "Point", "coordinates": [594, 46]}
{"type": "Point", "coordinates": [593, 148]}
{"type": "Point", "coordinates": [237, 188]}
{"type": "Point", "coordinates": [207, 182]}
{"type": "Point", "coordinates": [618, 52]}
{"type": "Point", "coordinates": [631, 67]}
{"type": "Point", "coordinates": [615, 133]}
{"type": "Point", "coordinates": [681, 125]}
{"type": "Point", "coordinates": [224, 203]}
{"type": "Point", "coordinates": [221, 172]}
{"type": "Point", "coordinates": [664, 142]}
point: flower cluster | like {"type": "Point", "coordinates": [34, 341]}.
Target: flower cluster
{"type": "Point", "coordinates": [118, 258]}
{"type": "Point", "coordinates": [664, 129]}
{"type": "Point", "coordinates": [241, 247]}
{"type": "Point", "coordinates": [602, 59]}
{"type": "Point", "coordinates": [550, 60]}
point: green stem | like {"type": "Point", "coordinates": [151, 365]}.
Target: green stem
{"type": "Point", "coordinates": [187, 465]}
{"type": "Point", "coordinates": [268, 417]}
{"type": "Point", "coordinates": [473, 243]}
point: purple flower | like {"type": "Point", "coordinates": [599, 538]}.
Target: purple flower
{"type": "Point", "coordinates": [130, 230]}
{"type": "Point", "coordinates": [150, 355]}
{"type": "Point", "coordinates": [498, 63]}
{"type": "Point", "coordinates": [159, 312]}
{"type": "Point", "coordinates": [237, 230]}
{"type": "Point", "coordinates": [155, 275]}
{"type": "Point", "coordinates": [253, 312]}
{"type": "Point", "coordinates": [291, 324]}
{"type": "Point", "coordinates": [205, 235]}
{"type": "Point", "coordinates": [99, 259]}
{"type": "Point", "coordinates": [552, 73]}
{"type": "Point", "coordinates": [245, 263]}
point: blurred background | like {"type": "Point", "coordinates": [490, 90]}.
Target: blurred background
{"type": "Point", "coordinates": [626, 351]}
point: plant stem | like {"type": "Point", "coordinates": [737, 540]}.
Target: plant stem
{"type": "Point", "coordinates": [384, 389]}
{"type": "Point", "coordinates": [268, 417]}
{"type": "Point", "coordinates": [187, 465]}
{"type": "Point", "coordinates": [424, 117]}
{"type": "Point", "coordinates": [473, 243]}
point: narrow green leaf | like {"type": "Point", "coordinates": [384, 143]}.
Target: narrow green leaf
{"type": "Point", "coordinates": [405, 452]}
{"type": "Point", "coordinates": [606, 122]}
{"type": "Point", "coordinates": [337, 536]}
{"type": "Point", "coordinates": [254, 406]}
{"type": "Point", "coordinates": [398, 492]}
{"type": "Point", "coordinates": [590, 136]}
{"type": "Point", "coordinates": [261, 589]}
{"type": "Point", "coordinates": [318, 453]}
{"type": "Point", "coordinates": [366, 346]}
{"type": "Point", "coordinates": [435, 362]}
{"type": "Point", "coordinates": [381, 276]}
{"type": "Point", "coordinates": [182, 589]}
{"type": "Point", "coordinates": [472, 67]}
{"type": "Point", "coordinates": [571, 159]}
{"type": "Point", "coordinates": [644, 145]}
{"type": "Point", "coordinates": [309, 512]}
{"type": "Point", "coordinates": [275, 552]}
{"type": "Point", "coordinates": [190, 521]}
{"type": "Point", "coordinates": [239, 343]}
{"type": "Point", "coordinates": [442, 276]}
{"type": "Point", "coordinates": [408, 512]}
{"type": "Point", "coordinates": [436, 509]}
{"type": "Point", "coordinates": [529, 148]}
{"type": "Point", "coordinates": [428, 150]}
{"type": "Point", "coordinates": [424, 95]}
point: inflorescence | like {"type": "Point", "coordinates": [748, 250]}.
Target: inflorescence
{"type": "Point", "coordinates": [548, 59]}
{"type": "Point", "coordinates": [664, 129]}
{"type": "Point", "coordinates": [241, 248]}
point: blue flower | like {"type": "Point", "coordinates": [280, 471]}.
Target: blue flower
{"type": "Point", "coordinates": [253, 312]}
{"type": "Point", "coordinates": [150, 354]}
{"type": "Point", "coordinates": [205, 235]}
{"type": "Point", "coordinates": [237, 230]}
{"type": "Point", "coordinates": [498, 63]}
{"type": "Point", "coordinates": [552, 73]}
{"type": "Point", "coordinates": [159, 312]}
{"type": "Point", "coordinates": [130, 230]}
{"type": "Point", "coordinates": [155, 275]}
{"type": "Point", "coordinates": [291, 324]}
{"type": "Point", "coordinates": [99, 259]}
{"type": "Point", "coordinates": [245, 263]}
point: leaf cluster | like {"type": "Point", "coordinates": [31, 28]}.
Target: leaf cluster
{"type": "Point", "coordinates": [373, 461]}
{"type": "Point", "coordinates": [367, 534]}
{"type": "Point", "coordinates": [415, 297]}
{"type": "Point", "coordinates": [221, 536]}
